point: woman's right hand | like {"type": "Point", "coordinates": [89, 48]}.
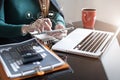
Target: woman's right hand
{"type": "Point", "coordinates": [39, 25]}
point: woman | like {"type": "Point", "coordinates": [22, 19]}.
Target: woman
{"type": "Point", "coordinates": [19, 17]}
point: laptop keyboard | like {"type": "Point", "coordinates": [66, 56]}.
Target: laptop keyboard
{"type": "Point", "coordinates": [94, 42]}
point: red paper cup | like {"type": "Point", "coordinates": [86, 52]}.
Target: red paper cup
{"type": "Point", "coordinates": [88, 18]}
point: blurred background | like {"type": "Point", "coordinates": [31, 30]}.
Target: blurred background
{"type": "Point", "coordinates": [108, 11]}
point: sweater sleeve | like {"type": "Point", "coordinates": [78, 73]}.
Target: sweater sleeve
{"type": "Point", "coordinates": [58, 19]}
{"type": "Point", "coordinates": [8, 30]}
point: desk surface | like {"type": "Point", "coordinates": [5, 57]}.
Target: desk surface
{"type": "Point", "coordinates": [85, 68]}
{"type": "Point", "coordinates": [105, 68]}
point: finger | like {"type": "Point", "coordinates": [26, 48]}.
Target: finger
{"type": "Point", "coordinates": [39, 25]}
{"type": "Point", "coordinates": [48, 21]}
{"type": "Point", "coordinates": [39, 30]}
{"type": "Point", "coordinates": [47, 26]}
{"type": "Point", "coordinates": [35, 28]}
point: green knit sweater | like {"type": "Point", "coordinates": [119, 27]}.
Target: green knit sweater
{"type": "Point", "coordinates": [15, 13]}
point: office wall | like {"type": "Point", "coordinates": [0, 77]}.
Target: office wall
{"type": "Point", "coordinates": [107, 10]}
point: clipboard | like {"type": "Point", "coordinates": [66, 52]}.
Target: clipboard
{"type": "Point", "coordinates": [7, 72]}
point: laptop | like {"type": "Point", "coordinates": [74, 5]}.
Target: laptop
{"type": "Point", "coordinates": [85, 42]}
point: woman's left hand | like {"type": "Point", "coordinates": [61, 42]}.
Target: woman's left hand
{"type": "Point", "coordinates": [59, 35]}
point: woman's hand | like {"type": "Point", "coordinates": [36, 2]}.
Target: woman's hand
{"type": "Point", "coordinates": [39, 25]}
{"type": "Point", "coordinates": [59, 35]}
{"type": "Point", "coordinates": [44, 24]}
